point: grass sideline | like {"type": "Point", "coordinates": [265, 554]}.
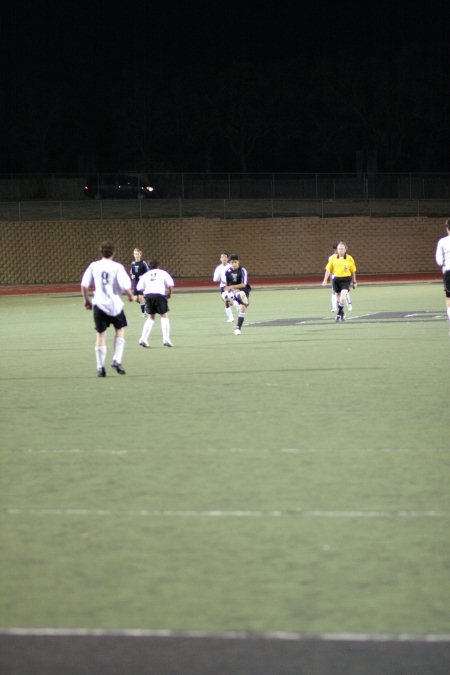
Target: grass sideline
{"type": "Point", "coordinates": [294, 478]}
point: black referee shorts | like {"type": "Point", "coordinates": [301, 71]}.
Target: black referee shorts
{"type": "Point", "coordinates": [341, 284]}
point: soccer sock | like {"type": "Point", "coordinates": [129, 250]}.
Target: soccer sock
{"type": "Point", "coordinates": [165, 328]}
{"type": "Point", "coordinates": [147, 329]}
{"type": "Point", "coordinates": [119, 344]}
{"type": "Point", "coordinates": [340, 309]}
{"type": "Point", "coordinates": [347, 299]}
{"type": "Point", "coordinates": [448, 313]}
{"type": "Point", "coordinates": [143, 308]}
{"type": "Point", "coordinates": [240, 320]}
{"type": "Point", "coordinates": [100, 356]}
{"type": "Point", "coordinates": [333, 301]}
{"type": "Point", "coordinates": [229, 312]}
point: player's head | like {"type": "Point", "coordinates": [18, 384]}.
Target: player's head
{"type": "Point", "coordinates": [153, 264]}
{"type": "Point", "coordinates": [447, 224]}
{"type": "Point", "coordinates": [234, 260]}
{"type": "Point", "coordinates": [224, 258]}
{"type": "Point", "coordinates": [107, 249]}
{"type": "Point", "coordinates": [137, 254]}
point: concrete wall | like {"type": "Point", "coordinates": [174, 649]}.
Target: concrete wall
{"type": "Point", "coordinates": [58, 252]}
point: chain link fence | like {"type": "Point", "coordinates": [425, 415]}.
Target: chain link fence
{"type": "Point", "coordinates": [222, 195]}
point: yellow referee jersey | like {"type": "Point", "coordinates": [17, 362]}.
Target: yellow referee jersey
{"type": "Point", "coordinates": [341, 267]}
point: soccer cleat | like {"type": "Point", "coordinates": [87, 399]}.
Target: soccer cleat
{"type": "Point", "coordinates": [118, 368]}
{"type": "Point", "coordinates": [237, 331]}
{"type": "Point", "coordinates": [342, 317]}
{"type": "Point", "coordinates": [101, 372]}
{"type": "Point", "coordinates": [144, 343]}
{"type": "Point", "coordinates": [167, 343]}
{"type": "Point", "coordinates": [349, 307]}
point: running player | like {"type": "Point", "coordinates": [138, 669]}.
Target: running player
{"type": "Point", "coordinates": [237, 279]}
{"type": "Point", "coordinates": [110, 280]}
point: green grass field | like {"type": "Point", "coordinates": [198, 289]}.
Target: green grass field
{"type": "Point", "coordinates": [294, 478]}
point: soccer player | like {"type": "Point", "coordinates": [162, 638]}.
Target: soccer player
{"type": "Point", "coordinates": [110, 281]}
{"type": "Point", "coordinates": [237, 280]}
{"type": "Point", "coordinates": [137, 269]}
{"type": "Point", "coordinates": [219, 277]}
{"type": "Point", "coordinates": [443, 260]}
{"type": "Point", "coordinates": [156, 286]}
{"type": "Point", "coordinates": [342, 268]}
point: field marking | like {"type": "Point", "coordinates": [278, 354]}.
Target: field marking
{"type": "Point", "coordinates": [219, 513]}
{"type": "Point", "coordinates": [232, 635]}
{"type": "Point", "coordinates": [229, 450]}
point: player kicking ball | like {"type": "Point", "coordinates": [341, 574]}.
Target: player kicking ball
{"type": "Point", "coordinates": [237, 281]}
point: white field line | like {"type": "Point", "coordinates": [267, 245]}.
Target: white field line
{"type": "Point", "coordinates": [219, 513]}
{"type": "Point", "coordinates": [229, 450]}
{"type": "Point", "coordinates": [237, 635]}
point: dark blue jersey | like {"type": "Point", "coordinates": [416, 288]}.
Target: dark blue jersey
{"type": "Point", "coordinates": [137, 269]}
{"type": "Point", "coordinates": [236, 277]}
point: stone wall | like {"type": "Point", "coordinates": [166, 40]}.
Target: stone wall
{"type": "Point", "coordinates": [58, 252]}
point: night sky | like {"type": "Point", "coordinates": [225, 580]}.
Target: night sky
{"type": "Point", "coordinates": [322, 86]}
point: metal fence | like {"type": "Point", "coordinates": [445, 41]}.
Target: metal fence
{"type": "Point", "coordinates": [219, 208]}
{"type": "Point", "coordinates": [229, 195]}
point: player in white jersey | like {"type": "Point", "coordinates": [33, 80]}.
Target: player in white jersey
{"type": "Point", "coordinates": [443, 260]}
{"type": "Point", "coordinates": [156, 287]}
{"type": "Point", "coordinates": [219, 277]}
{"type": "Point", "coordinates": [110, 281]}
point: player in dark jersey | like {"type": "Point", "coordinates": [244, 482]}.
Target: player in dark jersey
{"type": "Point", "coordinates": [137, 269]}
{"type": "Point", "coordinates": [237, 280]}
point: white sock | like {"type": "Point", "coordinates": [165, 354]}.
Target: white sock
{"type": "Point", "coordinates": [147, 329]}
{"type": "Point", "coordinates": [333, 301]}
{"type": "Point", "coordinates": [119, 344]}
{"type": "Point", "coordinates": [347, 299]}
{"type": "Point", "coordinates": [100, 356]}
{"type": "Point", "coordinates": [229, 312]}
{"type": "Point", "coordinates": [165, 328]}
{"type": "Point", "coordinates": [448, 313]}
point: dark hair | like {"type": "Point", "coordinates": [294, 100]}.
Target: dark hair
{"type": "Point", "coordinates": [107, 249]}
{"type": "Point", "coordinates": [153, 264]}
{"type": "Point", "coordinates": [447, 222]}
{"type": "Point", "coordinates": [234, 256]}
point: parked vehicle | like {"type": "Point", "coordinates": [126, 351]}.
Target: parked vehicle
{"type": "Point", "coordinates": [117, 186]}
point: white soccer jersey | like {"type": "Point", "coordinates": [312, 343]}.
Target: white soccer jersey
{"type": "Point", "coordinates": [155, 281]}
{"type": "Point", "coordinates": [219, 274]}
{"type": "Point", "coordinates": [110, 280]}
{"type": "Point", "coordinates": [443, 253]}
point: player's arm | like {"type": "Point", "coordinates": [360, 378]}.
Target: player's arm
{"type": "Point", "coordinates": [86, 298]}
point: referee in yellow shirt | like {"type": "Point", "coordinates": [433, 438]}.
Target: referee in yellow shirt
{"type": "Point", "coordinates": [343, 268]}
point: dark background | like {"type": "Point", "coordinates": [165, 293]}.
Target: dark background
{"type": "Point", "coordinates": [168, 86]}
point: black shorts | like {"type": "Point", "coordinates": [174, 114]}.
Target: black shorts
{"type": "Point", "coordinates": [447, 283]}
{"type": "Point", "coordinates": [341, 284]}
{"type": "Point", "coordinates": [156, 304]}
{"type": "Point", "coordinates": [102, 320]}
